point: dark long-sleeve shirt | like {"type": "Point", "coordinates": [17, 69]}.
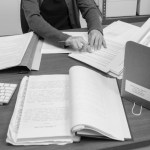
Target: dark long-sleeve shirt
{"type": "Point", "coordinates": [55, 12]}
{"type": "Point", "coordinates": [89, 11]}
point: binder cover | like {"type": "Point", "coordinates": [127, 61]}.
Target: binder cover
{"type": "Point", "coordinates": [136, 77]}
{"type": "Point", "coordinates": [28, 57]}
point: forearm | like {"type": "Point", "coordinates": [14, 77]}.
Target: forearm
{"type": "Point", "coordinates": [42, 28]}
{"type": "Point", "coordinates": [94, 20]}
{"type": "Point", "coordinates": [91, 14]}
{"type": "Point", "coordinates": [37, 23]}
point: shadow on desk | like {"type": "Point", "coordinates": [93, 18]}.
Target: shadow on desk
{"type": "Point", "coordinates": [15, 70]}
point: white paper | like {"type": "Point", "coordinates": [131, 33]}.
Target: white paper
{"type": "Point", "coordinates": [48, 107]}
{"type": "Point", "coordinates": [146, 40]}
{"type": "Point", "coordinates": [15, 120]}
{"type": "Point", "coordinates": [110, 59]}
{"type": "Point", "coordinates": [49, 48]}
{"type": "Point", "coordinates": [120, 31]}
{"type": "Point", "coordinates": [44, 113]}
{"type": "Point", "coordinates": [97, 103]}
{"type": "Point", "coordinates": [103, 58]}
{"type": "Point", "coordinates": [13, 48]}
{"type": "Point", "coordinates": [45, 108]}
{"type": "Point", "coordinates": [140, 34]}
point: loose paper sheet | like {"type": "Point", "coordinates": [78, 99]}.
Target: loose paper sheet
{"type": "Point", "coordinates": [49, 48]}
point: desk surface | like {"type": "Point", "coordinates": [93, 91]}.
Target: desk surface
{"type": "Point", "coordinates": [60, 64]}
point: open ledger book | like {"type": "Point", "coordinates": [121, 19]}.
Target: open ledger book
{"type": "Point", "coordinates": [57, 109]}
{"type": "Point", "coordinates": [20, 50]}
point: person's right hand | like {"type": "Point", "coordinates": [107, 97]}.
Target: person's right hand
{"type": "Point", "coordinates": [77, 43]}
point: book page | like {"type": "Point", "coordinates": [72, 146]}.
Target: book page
{"type": "Point", "coordinates": [45, 115]}
{"type": "Point", "coordinates": [119, 31]}
{"type": "Point", "coordinates": [141, 33]}
{"type": "Point", "coordinates": [102, 59]}
{"type": "Point", "coordinates": [13, 49]}
{"type": "Point", "coordinates": [96, 104]}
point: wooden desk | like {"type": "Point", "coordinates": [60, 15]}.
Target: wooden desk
{"type": "Point", "coordinates": [58, 64]}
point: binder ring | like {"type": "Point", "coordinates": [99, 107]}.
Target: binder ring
{"type": "Point", "coordinates": [136, 113]}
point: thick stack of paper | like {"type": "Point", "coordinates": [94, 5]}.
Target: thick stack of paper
{"type": "Point", "coordinates": [37, 124]}
{"type": "Point", "coordinates": [110, 59]}
{"type": "Point", "coordinates": [142, 35]}
{"type": "Point", "coordinates": [50, 109]}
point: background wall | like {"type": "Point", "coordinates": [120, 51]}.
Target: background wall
{"type": "Point", "coordinates": [10, 17]}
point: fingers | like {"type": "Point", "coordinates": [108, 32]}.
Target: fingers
{"type": "Point", "coordinates": [104, 43]}
{"type": "Point", "coordinates": [77, 43]}
{"type": "Point", "coordinates": [96, 40]}
{"type": "Point", "coordinates": [98, 43]}
{"type": "Point", "coordinates": [91, 41]}
{"type": "Point", "coordinates": [87, 48]}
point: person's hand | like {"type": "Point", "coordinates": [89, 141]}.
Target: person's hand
{"type": "Point", "coordinates": [77, 43]}
{"type": "Point", "coordinates": [96, 40]}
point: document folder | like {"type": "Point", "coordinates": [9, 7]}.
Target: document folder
{"type": "Point", "coordinates": [136, 76]}
{"type": "Point", "coordinates": [20, 51]}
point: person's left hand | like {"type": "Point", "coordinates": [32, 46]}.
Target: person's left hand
{"type": "Point", "coordinates": [96, 40]}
